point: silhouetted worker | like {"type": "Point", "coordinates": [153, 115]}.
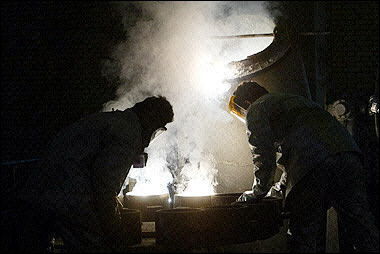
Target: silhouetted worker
{"type": "Point", "coordinates": [74, 191]}
{"type": "Point", "coordinates": [322, 164]}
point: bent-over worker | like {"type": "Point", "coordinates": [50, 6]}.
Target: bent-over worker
{"type": "Point", "coordinates": [74, 191]}
{"type": "Point", "coordinates": [321, 161]}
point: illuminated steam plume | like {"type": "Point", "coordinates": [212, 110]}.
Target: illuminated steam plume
{"type": "Point", "coordinates": [170, 51]}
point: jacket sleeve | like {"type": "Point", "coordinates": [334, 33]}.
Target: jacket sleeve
{"type": "Point", "coordinates": [261, 141]}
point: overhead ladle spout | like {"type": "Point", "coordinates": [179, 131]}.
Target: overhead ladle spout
{"type": "Point", "coordinates": [243, 36]}
{"type": "Point", "coordinates": [263, 35]}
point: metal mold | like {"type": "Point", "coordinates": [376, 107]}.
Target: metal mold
{"type": "Point", "coordinates": [275, 205]}
{"type": "Point", "coordinates": [146, 204]}
{"type": "Point", "coordinates": [227, 225]}
{"type": "Point", "coordinates": [267, 217]}
{"type": "Point", "coordinates": [192, 201]}
{"type": "Point", "coordinates": [224, 199]}
{"type": "Point", "coordinates": [181, 227]}
{"type": "Point", "coordinates": [131, 223]}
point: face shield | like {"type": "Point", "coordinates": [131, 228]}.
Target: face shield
{"type": "Point", "coordinates": [141, 159]}
{"type": "Point", "coordinates": [157, 133]}
{"type": "Point", "coordinates": [236, 110]}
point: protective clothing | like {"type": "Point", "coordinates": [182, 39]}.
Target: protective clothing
{"type": "Point", "coordinates": [299, 129]}
{"type": "Point", "coordinates": [337, 182]}
{"type": "Point", "coordinates": [81, 175]}
{"type": "Point", "coordinates": [322, 165]}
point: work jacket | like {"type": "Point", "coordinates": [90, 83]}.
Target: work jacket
{"type": "Point", "coordinates": [82, 173]}
{"type": "Point", "coordinates": [297, 128]}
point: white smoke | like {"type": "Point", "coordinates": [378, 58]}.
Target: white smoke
{"type": "Point", "coordinates": [170, 52]}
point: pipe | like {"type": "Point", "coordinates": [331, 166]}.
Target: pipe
{"type": "Point", "coordinates": [17, 162]}
{"type": "Point", "coordinates": [263, 35]}
{"type": "Point", "coordinates": [243, 36]}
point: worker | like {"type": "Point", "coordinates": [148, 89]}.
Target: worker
{"type": "Point", "coordinates": [74, 192]}
{"type": "Point", "coordinates": [321, 161]}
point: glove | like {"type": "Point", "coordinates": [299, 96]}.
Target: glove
{"type": "Point", "coordinates": [249, 197]}
{"type": "Point", "coordinates": [276, 191]}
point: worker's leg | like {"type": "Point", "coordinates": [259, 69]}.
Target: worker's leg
{"type": "Point", "coordinates": [349, 198]}
{"type": "Point", "coordinates": [308, 213]}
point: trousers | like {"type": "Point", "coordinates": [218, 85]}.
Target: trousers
{"type": "Point", "coordinates": [338, 182]}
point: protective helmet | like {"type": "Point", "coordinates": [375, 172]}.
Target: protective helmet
{"type": "Point", "coordinates": [236, 110]}
{"type": "Point", "coordinates": [246, 93]}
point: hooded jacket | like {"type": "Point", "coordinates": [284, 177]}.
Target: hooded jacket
{"type": "Point", "coordinates": [299, 129]}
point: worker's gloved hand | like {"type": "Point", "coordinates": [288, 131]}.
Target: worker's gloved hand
{"type": "Point", "coordinates": [248, 197]}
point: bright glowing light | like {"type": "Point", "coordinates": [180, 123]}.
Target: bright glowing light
{"type": "Point", "coordinates": [153, 179]}
{"type": "Point", "coordinates": [200, 180]}
{"type": "Point", "coordinates": [211, 78]}
{"type": "Point", "coordinates": [198, 187]}
{"type": "Point", "coordinates": [176, 51]}
{"type": "Point", "coordinates": [196, 194]}
{"type": "Point", "coordinates": [145, 191]}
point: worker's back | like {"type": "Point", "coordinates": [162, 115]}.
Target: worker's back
{"type": "Point", "coordinates": [305, 131]}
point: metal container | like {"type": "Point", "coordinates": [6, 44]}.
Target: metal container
{"type": "Point", "coordinates": [224, 199]}
{"type": "Point", "coordinates": [268, 216]}
{"type": "Point", "coordinates": [146, 204]}
{"type": "Point", "coordinates": [181, 227]}
{"type": "Point", "coordinates": [150, 212]}
{"type": "Point", "coordinates": [131, 222]}
{"type": "Point", "coordinates": [227, 225]}
{"type": "Point", "coordinates": [192, 201]}
{"type": "Point", "coordinates": [277, 205]}
{"type": "Point", "coordinates": [278, 68]}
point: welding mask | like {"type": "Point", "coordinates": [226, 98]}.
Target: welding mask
{"type": "Point", "coordinates": [236, 110]}
{"type": "Point", "coordinates": [157, 133]}
{"type": "Point", "coordinates": [141, 159]}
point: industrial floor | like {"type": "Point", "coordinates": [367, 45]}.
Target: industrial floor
{"type": "Point", "coordinates": [275, 244]}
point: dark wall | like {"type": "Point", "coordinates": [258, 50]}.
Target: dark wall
{"type": "Point", "coordinates": [52, 54]}
{"type": "Point", "coordinates": [341, 61]}
{"type": "Point", "coordinates": [354, 45]}
{"type": "Point", "coordinates": [354, 70]}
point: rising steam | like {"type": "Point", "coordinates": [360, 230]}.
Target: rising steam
{"type": "Point", "coordinates": [170, 52]}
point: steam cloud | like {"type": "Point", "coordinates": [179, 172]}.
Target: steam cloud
{"type": "Point", "coordinates": [170, 52]}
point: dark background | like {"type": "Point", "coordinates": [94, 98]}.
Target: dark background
{"type": "Point", "coordinates": [52, 54]}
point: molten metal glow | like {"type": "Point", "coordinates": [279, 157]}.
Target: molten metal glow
{"type": "Point", "coordinates": [147, 189]}
{"type": "Point", "coordinates": [198, 187]}
{"type": "Point", "coordinates": [145, 193]}
{"type": "Point", "coordinates": [152, 179]}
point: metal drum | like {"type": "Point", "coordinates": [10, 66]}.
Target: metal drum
{"type": "Point", "coordinates": [227, 224]}
{"type": "Point", "coordinates": [277, 205]}
{"type": "Point", "coordinates": [192, 201]}
{"type": "Point", "coordinates": [131, 222]}
{"type": "Point", "coordinates": [224, 199]}
{"type": "Point", "coordinates": [268, 216]}
{"type": "Point", "coordinates": [263, 217]}
{"type": "Point", "coordinates": [146, 204]}
{"type": "Point", "coordinates": [181, 227]}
